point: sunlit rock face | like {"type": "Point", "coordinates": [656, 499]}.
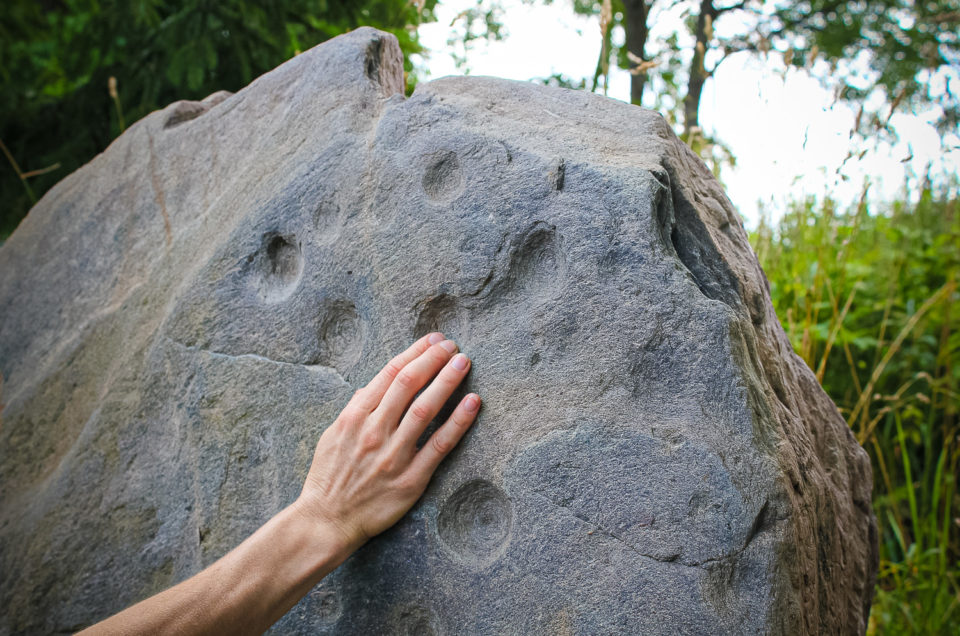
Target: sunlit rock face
{"type": "Point", "coordinates": [181, 318]}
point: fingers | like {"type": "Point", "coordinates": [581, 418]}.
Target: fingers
{"type": "Point", "coordinates": [368, 398]}
{"type": "Point", "coordinates": [429, 403]}
{"type": "Point", "coordinates": [410, 379]}
{"type": "Point", "coordinates": [445, 438]}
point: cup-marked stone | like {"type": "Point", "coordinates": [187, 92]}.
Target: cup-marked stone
{"type": "Point", "coordinates": [183, 316]}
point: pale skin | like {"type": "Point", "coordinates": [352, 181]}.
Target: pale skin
{"type": "Point", "coordinates": [366, 474]}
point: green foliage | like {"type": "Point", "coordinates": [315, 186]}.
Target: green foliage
{"type": "Point", "coordinates": [870, 302]}
{"type": "Point", "coordinates": [559, 80]}
{"type": "Point", "coordinates": [907, 44]}
{"type": "Point", "coordinates": [481, 22]}
{"type": "Point", "coordinates": [57, 56]}
{"type": "Point", "coordinates": [881, 55]}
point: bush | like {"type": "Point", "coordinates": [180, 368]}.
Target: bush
{"type": "Point", "coordinates": [870, 303]}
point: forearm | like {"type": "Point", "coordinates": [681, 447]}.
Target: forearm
{"type": "Point", "coordinates": [247, 590]}
{"type": "Point", "coordinates": [367, 471]}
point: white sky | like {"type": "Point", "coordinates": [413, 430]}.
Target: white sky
{"type": "Point", "coordinates": [761, 116]}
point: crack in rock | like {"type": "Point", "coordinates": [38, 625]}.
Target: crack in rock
{"type": "Point", "coordinates": [259, 358]}
{"type": "Point", "coordinates": [760, 525]}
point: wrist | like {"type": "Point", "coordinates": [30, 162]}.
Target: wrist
{"type": "Point", "coordinates": [329, 539]}
{"type": "Point", "coordinates": [312, 550]}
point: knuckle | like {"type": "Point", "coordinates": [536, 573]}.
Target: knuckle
{"type": "Point", "coordinates": [441, 445]}
{"type": "Point", "coordinates": [420, 412]}
{"type": "Point", "coordinates": [387, 466]}
{"type": "Point", "coordinates": [408, 484]}
{"type": "Point", "coordinates": [407, 380]}
{"type": "Point", "coordinates": [440, 355]}
{"type": "Point", "coordinates": [370, 439]}
{"type": "Point", "coordinates": [352, 414]}
{"type": "Point", "coordinates": [451, 379]}
{"type": "Point", "coordinates": [356, 403]}
{"type": "Point", "coordinates": [393, 368]}
{"type": "Point", "coordinates": [459, 419]}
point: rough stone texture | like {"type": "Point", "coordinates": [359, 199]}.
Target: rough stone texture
{"type": "Point", "coordinates": [181, 318]}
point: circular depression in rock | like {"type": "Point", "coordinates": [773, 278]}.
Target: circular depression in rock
{"type": "Point", "coordinates": [443, 178]}
{"type": "Point", "coordinates": [414, 620]}
{"type": "Point", "coordinates": [341, 335]}
{"type": "Point", "coordinates": [475, 521]}
{"type": "Point", "coordinates": [439, 313]}
{"type": "Point", "coordinates": [279, 266]}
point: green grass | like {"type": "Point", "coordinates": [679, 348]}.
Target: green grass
{"type": "Point", "coordinates": [869, 299]}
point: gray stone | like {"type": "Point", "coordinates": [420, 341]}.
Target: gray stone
{"type": "Point", "coordinates": [182, 317]}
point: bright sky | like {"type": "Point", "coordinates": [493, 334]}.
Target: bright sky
{"type": "Point", "coordinates": [787, 138]}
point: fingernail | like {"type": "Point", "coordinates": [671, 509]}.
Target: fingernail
{"type": "Point", "coordinates": [435, 338]}
{"type": "Point", "coordinates": [449, 345]}
{"type": "Point", "coordinates": [460, 362]}
{"type": "Point", "coordinates": [472, 403]}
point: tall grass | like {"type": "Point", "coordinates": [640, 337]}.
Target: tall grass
{"type": "Point", "coordinates": [869, 299]}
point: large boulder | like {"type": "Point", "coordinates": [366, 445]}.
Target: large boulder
{"type": "Point", "coordinates": [182, 317]}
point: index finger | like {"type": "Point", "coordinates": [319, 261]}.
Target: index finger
{"type": "Point", "coordinates": [368, 398]}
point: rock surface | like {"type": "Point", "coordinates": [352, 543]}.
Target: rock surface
{"type": "Point", "coordinates": [181, 318]}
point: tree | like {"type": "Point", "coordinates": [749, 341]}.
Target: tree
{"type": "Point", "coordinates": [883, 55]}
{"type": "Point", "coordinates": [73, 73]}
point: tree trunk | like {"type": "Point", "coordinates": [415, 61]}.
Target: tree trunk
{"type": "Point", "coordinates": [635, 25]}
{"type": "Point", "coordinates": [698, 72]}
{"type": "Point", "coordinates": [603, 62]}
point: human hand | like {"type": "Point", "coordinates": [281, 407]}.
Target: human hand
{"type": "Point", "coordinates": [367, 471]}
